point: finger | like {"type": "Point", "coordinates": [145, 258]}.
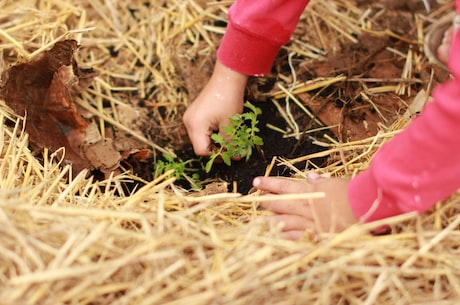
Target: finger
{"type": "Point", "coordinates": [291, 222]}
{"type": "Point", "coordinates": [288, 207]}
{"type": "Point", "coordinates": [236, 158]}
{"type": "Point", "coordinates": [201, 147]}
{"type": "Point", "coordinates": [201, 141]}
{"type": "Point", "coordinates": [280, 185]}
{"type": "Point", "coordinates": [314, 178]}
{"type": "Point", "coordinates": [443, 52]}
{"type": "Point", "coordinates": [293, 235]}
{"type": "Point", "coordinates": [448, 35]}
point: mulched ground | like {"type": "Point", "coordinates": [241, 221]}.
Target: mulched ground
{"type": "Point", "coordinates": [373, 60]}
{"type": "Point", "coordinates": [380, 71]}
{"type": "Point", "coordinates": [85, 241]}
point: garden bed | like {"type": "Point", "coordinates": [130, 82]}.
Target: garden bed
{"type": "Point", "coordinates": [108, 230]}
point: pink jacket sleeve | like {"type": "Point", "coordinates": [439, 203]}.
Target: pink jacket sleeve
{"type": "Point", "coordinates": [421, 165]}
{"type": "Point", "coordinates": [256, 31]}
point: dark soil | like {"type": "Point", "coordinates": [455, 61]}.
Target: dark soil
{"type": "Point", "coordinates": [241, 173]}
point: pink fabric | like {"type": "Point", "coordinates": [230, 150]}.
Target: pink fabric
{"type": "Point", "coordinates": [256, 31]}
{"type": "Point", "coordinates": [421, 165]}
{"type": "Point", "coordinates": [457, 6]}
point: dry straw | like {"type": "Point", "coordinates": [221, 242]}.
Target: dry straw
{"type": "Point", "coordinates": [73, 240]}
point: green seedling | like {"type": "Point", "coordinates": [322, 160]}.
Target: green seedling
{"type": "Point", "coordinates": [240, 137]}
{"type": "Point", "coordinates": [182, 169]}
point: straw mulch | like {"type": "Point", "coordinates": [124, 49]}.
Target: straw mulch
{"type": "Point", "coordinates": [71, 239]}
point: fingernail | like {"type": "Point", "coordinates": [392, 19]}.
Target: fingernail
{"type": "Point", "coordinates": [313, 176]}
{"type": "Point", "coordinates": [256, 182]}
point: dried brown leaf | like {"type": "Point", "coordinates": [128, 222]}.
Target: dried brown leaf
{"type": "Point", "coordinates": [42, 90]}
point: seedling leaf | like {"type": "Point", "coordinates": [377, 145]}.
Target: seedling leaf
{"type": "Point", "coordinates": [240, 137]}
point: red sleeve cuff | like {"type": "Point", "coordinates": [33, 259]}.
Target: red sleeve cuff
{"type": "Point", "coordinates": [246, 53]}
{"type": "Point", "coordinates": [367, 201]}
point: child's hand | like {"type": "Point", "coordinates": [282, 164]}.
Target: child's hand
{"type": "Point", "coordinates": [329, 214]}
{"type": "Point", "coordinates": [222, 98]}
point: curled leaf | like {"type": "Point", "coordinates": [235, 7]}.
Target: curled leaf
{"type": "Point", "coordinates": [42, 91]}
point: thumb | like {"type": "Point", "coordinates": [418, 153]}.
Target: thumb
{"type": "Point", "coordinates": [201, 143]}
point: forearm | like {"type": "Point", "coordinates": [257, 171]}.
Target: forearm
{"type": "Point", "coordinates": [421, 165]}
{"type": "Point", "coordinates": [256, 31]}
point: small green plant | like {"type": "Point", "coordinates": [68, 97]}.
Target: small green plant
{"type": "Point", "coordinates": [240, 137]}
{"type": "Point", "coordinates": [182, 169]}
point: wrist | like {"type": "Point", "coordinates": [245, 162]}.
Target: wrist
{"type": "Point", "coordinates": [229, 77]}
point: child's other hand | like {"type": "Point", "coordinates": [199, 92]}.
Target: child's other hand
{"type": "Point", "coordinates": [221, 98]}
{"type": "Point", "coordinates": [329, 214]}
